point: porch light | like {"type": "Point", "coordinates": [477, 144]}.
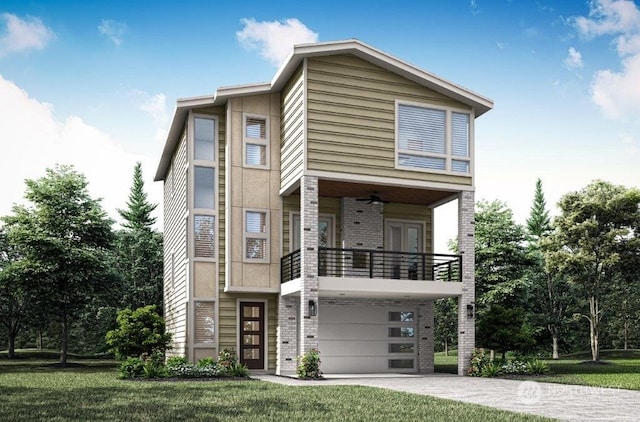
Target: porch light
{"type": "Point", "coordinates": [470, 311]}
{"type": "Point", "coordinates": [312, 308]}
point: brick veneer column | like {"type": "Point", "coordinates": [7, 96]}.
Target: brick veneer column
{"type": "Point", "coordinates": [425, 336]}
{"type": "Point", "coordinates": [286, 336]}
{"type": "Point", "coordinates": [309, 262]}
{"type": "Point", "coordinates": [466, 248]}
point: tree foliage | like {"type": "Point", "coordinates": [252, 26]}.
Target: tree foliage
{"type": "Point", "coordinates": [504, 329]}
{"type": "Point", "coordinates": [62, 239]}
{"type": "Point", "coordinates": [539, 222]}
{"type": "Point", "coordinates": [446, 324]}
{"type": "Point", "coordinates": [501, 256]}
{"type": "Point", "coordinates": [139, 332]}
{"type": "Point", "coordinates": [137, 215]}
{"type": "Point", "coordinates": [139, 254]}
{"type": "Point", "coordinates": [595, 240]}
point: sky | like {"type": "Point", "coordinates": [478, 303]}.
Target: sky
{"type": "Point", "coordinates": [94, 84]}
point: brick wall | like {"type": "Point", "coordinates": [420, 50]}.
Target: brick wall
{"type": "Point", "coordinates": [466, 247]}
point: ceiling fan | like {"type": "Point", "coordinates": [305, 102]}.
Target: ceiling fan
{"type": "Point", "coordinates": [373, 199]}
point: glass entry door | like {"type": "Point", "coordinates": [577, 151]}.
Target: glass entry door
{"type": "Point", "coordinates": [252, 334]}
{"type": "Point", "coordinates": [405, 242]}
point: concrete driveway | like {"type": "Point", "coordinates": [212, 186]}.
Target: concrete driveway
{"type": "Point", "coordinates": [563, 402]}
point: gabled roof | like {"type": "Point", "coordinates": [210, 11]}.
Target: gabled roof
{"type": "Point", "coordinates": [359, 49]}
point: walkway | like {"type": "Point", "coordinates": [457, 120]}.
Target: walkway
{"type": "Point", "coordinates": [563, 402]}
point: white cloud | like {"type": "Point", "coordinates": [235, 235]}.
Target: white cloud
{"type": "Point", "coordinates": [32, 139]}
{"type": "Point", "coordinates": [501, 45]}
{"type": "Point", "coordinates": [632, 146]}
{"type": "Point", "coordinates": [573, 59]}
{"type": "Point", "coordinates": [274, 40]}
{"type": "Point", "coordinates": [113, 30]}
{"type": "Point", "coordinates": [615, 92]}
{"type": "Point", "coordinates": [23, 34]}
{"type": "Point", "coordinates": [156, 107]}
{"type": "Point", "coordinates": [474, 7]}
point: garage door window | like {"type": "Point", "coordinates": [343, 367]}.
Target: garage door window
{"type": "Point", "coordinates": [401, 316]}
{"type": "Point", "coordinates": [401, 348]}
{"type": "Point", "coordinates": [400, 363]}
{"type": "Point", "coordinates": [402, 332]}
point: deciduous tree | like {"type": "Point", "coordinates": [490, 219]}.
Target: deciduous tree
{"type": "Point", "coordinates": [62, 237]}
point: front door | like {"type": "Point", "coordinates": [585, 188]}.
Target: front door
{"type": "Point", "coordinates": [405, 240]}
{"type": "Point", "coordinates": [252, 345]}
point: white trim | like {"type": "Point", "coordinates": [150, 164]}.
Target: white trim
{"type": "Point", "coordinates": [262, 235]}
{"type": "Point", "coordinates": [305, 109]}
{"type": "Point", "coordinates": [390, 181]}
{"type": "Point", "coordinates": [249, 289]}
{"type": "Point", "coordinates": [228, 241]}
{"type": "Point", "coordinates": [447, 156]}
{"type": "Point", "coordinates": [266, 329]}
{"type": "Point", "coordinates": [405, 221]}
{"type": "Point", "coordinates": [256, 141]}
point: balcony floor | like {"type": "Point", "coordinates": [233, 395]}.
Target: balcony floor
{"type": "Point", "coordinates": [377, 288]}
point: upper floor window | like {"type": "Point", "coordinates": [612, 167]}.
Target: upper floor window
{"type": "Point", "coordinates": [204, 139]}
{"type": "Point", "coordinates": [433, 139]}
{"type": "Point", "coordinates": [203, 191]}
{"type": "Point", "coordinates": [256, 141]}
{"type": "Point", "coordinates": [256, 236]}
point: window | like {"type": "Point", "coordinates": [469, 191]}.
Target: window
{"type": "Point", "coordinates": [204, 236]}
{"type": "Point", "coordinates": [204, 139]}
{"type": "Point", "coordinates": [204, 323]}
{"type": "Point", "coordinates": [401, 348]}
{"type": "Point", "coordinates": [256, 141]}
{"type": "Point", "coordinates": [433, 139]}
{"type": "Point", "coordinates": [400, 363]}
{"type": "Point", "coordinates": [204, 192]}
{"type": "Point", "coordinates": [402, 332]}
{"type": "Point", "coordinates": [256, 236]}
{"type": "Point", "coordinates": [401, 316]}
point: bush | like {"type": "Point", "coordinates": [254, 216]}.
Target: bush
{"type": "Point", "coordinates": [309, 365]}
{"type": "Point", "coordinates": [478, 361]}
{"type": "Point", "coordinates": [238, 370]}
{"type": "Point", "coordinates": [154, 365]}
{"type": "Point", "coordinates": [139, 332]}
{"type": "Point", "coordinates": [537, 367]}
{"type": "Point", "coordinates": [490, 370]}
{"type": "Point", "coordinates": [131, 368]}
{"type": "Point", "coordinates": [227, 358]}
{"type": "Point", "coordinates": [206, 362]}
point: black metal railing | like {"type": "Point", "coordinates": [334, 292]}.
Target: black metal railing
{"type": "Point", "coordinates": [367, 263]}
{"type": "Point", "coordinates": [290, 266]}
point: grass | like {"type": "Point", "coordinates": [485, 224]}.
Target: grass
{"type": "Point", "coordinates": [33, 390]}
{"type": "Point", "coordinates": [446, 364]}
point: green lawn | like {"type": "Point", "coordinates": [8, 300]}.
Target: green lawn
{"type": "Point", "coordinates": [617, 373]}
{"type": "Point", "coordinates": [33, 390]}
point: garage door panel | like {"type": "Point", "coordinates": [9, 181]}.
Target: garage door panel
{"type": "Point", "coordinates": [361, 348]}
{"type": "Point", "coordinates": [354, 314]}
{"type": "Point", "coordinates": [352, 332]}
{"type": "Point", "coordinates": [360, 339]}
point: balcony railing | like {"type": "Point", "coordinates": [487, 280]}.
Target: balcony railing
{"type": "Point", "coordinates": [366, 263]}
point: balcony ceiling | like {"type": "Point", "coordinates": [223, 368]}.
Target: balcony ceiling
{"type": "Point", "coordinates": [394, 194]}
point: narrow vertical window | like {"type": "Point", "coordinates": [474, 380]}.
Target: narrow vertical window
{"type": "Point", "coordinates": [256, 141]}
{"type": "Point", "coordinates": [256, 236]}
{"type": "Point", "coordinates": [204, 191]}
{"type": "Point", "coordinates": [204, 236]}
{"type": "Point", "coordinates": [204, 139]}
{"type": "Point", "coordinates": [205, 328]}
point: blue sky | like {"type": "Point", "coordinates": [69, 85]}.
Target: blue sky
{"type": "Point", "coordinates": [95, 85]}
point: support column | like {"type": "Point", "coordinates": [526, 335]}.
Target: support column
{"type": "Point", "coordinates": [286, 336]}
{"type": "Point", "coordinates": [466, 248]}
{"type": "Point", "coordinates": [309, 263]}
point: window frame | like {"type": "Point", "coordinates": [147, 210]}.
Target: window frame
{"type": "Point", "coordinates": [448, 146]}
{"type": "Point", "coordinates": [214, 341]}
{"type": "Point", "coordinates": [255, 141]}
{"type": "Point", "coordinates": [251, 235]}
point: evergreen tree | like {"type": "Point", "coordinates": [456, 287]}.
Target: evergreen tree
{"type": "Point", "coordinates": [139, 250]}
{"type": "Point", "coordinates": [137, 215]}
{"type": "Point", "coordinates": [539, 222]}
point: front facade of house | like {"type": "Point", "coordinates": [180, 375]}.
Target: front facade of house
{"type": "Point", "coordinates": [299, 214]}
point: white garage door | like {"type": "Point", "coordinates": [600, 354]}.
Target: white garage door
{"type": "Point", "coordinates": [367, 339]}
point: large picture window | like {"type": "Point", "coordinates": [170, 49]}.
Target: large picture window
{"type": "Point", "coordinates": [433, 139]}
{"type": "Point", "coordinates": [204, 322]}
{"type": "Point", "coordinates": [256, 236]}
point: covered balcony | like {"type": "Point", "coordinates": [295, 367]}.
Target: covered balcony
{"type": "Point", "coordinates": [372, 273]}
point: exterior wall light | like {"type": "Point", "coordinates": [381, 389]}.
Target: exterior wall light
{"type": "Point", "coordinates": [470, 311]}
{"type": "Point", "coordinates": [313, 311]}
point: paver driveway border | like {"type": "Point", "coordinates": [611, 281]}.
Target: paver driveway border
{"type": "Point", "coordinates": [560, 401]}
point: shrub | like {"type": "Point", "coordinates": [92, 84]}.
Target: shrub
{"type": "Point", "coordinates": [138, 333]}
{"type": "Point", "coordinates": [154, 365]}
{"type": "Point", "coordinates": [490, 370]}
{"type": "Point", "coordinates": [238, 370]}
{"type": "Point", "coordinates": [176, 361]}
{"type": "Point", "coordinates": [309, 365]}
{"type": "Point", "coordinates": [227, 358]}
{"type": "Point", "coordinates": [132, 368]}
{"type": "Point", "coordinates": [515, 367]}
{"type": "Point", "coordinates": [478, 361]}
{"type": "Point", "coordinates": [206, 362]}
{"type": "Point", "coordinates": [537, 367]}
